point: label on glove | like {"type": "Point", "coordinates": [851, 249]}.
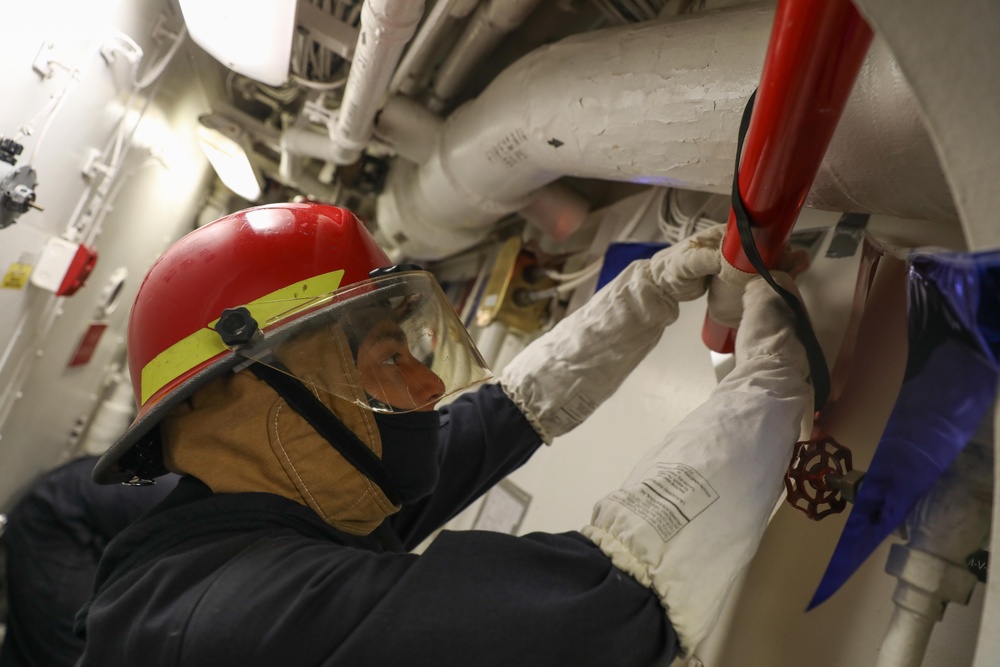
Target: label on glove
{"type": "Point", "coordinates": [668, 500]}
{"type": "Point", "coordinates": [572, 413]}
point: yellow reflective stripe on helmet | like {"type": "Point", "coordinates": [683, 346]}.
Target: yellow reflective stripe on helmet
{"type": "Point", "coordinates": [204, 344]}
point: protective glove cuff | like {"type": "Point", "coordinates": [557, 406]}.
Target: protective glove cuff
{"type": "Point", "coordinates": [692, 513]}
{"type": "Point", "coordinates": [563, 376]}
{"type": "Point", "coordinates": [514, 393]}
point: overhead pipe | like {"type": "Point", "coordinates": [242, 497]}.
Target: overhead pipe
{"type": "Point", "coordinates": [413, 132]}
{"type": "Point", "coordinates": [813, 58]}
{"type": "Point", "coordinates": [486, 29]}
{"type": "Point", "coordinates": [386, 27]}
{"type": "Point", "coordinates": [408, 128]}
{"type": "Point", "coordinates": [656, 103]}
{"type": "Point", "coordinates": [409, 76]}
{"type": "Point", "coordinates": [303, 141]}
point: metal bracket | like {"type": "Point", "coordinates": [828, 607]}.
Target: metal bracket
{"type": "Point", "coordinates": [44, 59]}
{"type": "Point", "coordinates": [92, 165]}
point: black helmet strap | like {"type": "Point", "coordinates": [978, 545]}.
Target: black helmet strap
{"type": "Point", "coordinates": [329, 427]}
{"type": "Point", "coordinates": [237, 328]}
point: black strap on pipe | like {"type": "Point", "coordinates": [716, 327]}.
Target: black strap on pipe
{"type": "Point", "coordinates": [803, 328]}
{"type": "Point", "coordinates": [317, 415]}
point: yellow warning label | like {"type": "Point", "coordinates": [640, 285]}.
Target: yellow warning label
{"type": "Point", "coordinates": [16, 276]}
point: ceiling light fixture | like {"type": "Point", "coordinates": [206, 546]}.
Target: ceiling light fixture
{"type": "Point", "coordinates": [227, 147]}
{"type": "Point", "coordinates": [250, 37]}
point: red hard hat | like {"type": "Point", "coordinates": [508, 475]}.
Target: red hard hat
{"type": "Point", "coordinates": [263, 258]}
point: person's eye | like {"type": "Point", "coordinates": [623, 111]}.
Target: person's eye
{"type": "Point", "coordinates": [391, 361]}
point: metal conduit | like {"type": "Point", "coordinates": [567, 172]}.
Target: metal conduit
{"type": "Point", "coordinates": [813, 58]}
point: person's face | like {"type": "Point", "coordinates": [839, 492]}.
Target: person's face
{"type": "Point", "coordinates": [390, 373]}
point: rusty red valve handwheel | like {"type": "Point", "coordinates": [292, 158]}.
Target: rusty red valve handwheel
{"type": "Point", "coordinates": [813, 475]}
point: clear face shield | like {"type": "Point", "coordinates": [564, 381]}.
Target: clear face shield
{"type": "Point", "coordinates": [392, 344]}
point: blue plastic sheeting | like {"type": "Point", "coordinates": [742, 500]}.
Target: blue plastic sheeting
{"type": "Point", "coordinates": [949, 385]}
{"type": "Point", "coordinates": [620, 255]}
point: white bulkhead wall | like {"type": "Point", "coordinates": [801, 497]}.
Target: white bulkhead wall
{"type": "Point", "coordinates": [75, 111]}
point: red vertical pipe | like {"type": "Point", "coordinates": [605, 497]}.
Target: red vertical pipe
{"type": "Point", "coordinates": [813, 58]}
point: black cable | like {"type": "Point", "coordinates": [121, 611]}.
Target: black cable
{"type": "Point", "coordinates": [803, 327]}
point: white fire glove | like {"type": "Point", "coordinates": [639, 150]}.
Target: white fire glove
{"type": "Point", "coordinates": [725, 294]}
{"type": "Point", "coordinates": [563, 376]}
{"type": "Point", "coordinates": [692, 513]}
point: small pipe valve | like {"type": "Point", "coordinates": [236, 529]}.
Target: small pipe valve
{"type": "Point", "coordinates": [821, 479]}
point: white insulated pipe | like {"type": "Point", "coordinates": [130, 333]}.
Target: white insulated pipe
{"type": "Point", "coordinates": [486, 29]}
{"type": "Point", "coordinates": [307, 142]}
{"type": "Point", "coordinates": [409, 128]}
{"type": "Point", "coordinates": [409, 75]}
{"type": "Point", "coordinates": [657, 103]}
{"type": "Point", "coordinates": [386, 26]}
{"type": "Point", "coordinates": [413, 132]}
